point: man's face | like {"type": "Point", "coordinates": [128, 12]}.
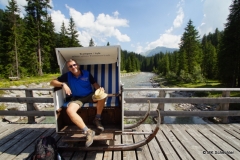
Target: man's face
{"type": "Point", "coordinates": [73, 67]}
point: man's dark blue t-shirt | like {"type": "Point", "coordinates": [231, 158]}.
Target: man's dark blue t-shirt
{"type": "Point", "coordinates": [80, 86]}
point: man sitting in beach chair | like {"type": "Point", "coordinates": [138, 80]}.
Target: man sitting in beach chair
{"type": "Point", "coordinates": [79, 86]}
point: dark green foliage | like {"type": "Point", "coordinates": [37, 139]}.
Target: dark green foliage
{"type": "Point", "coordinates": [229, 55]}
{"type": "Point", "coordinates": [11, 33]}
{"type": "Point", "coordinates": [130, 61]}
{"type": "Point", "coordinates": [209, 61]}
{"type": "Point", "coordinates": [36, 32]}
{"type": "Point", "coordinates": [73, 34]}
{"type": "Point", "coordinates": [91, 43]}
{"type": "Point", "coordinates": [63, 39]}
{"type": "Point", "coordinates": [202, 94]}
{"type": "Point", "coordinates": [48, 52]}
{"type": "Point", "coordinates": [190, 48]}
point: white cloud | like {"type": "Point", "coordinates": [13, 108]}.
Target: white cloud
{"type": "Point", "coordinates": [202, 24]}
{"type": "Point", "coordinates": [169, 30]}
{"type": "Point", "coordinates": [166, 40]}
{"type": "Point", "coordinates": [116, 13]}
{"type": "Point", "coordinates": [215, 15]}
{"type": "Point", "coordinates": [180, 3]}
{"type": "Point", "coordinates": [179, 19]}
{"type": "Point", "coordinates": [139, 48]}
{"type": "Point", "coordinates": [101, 28]}
{"type": "Point", "coordinates": [85, 20]}
{"type": "Point", "coordinates": [58, 18]}
{"type": "Point", "coordinates": [84, 38]}
{"type": "Point", "coordinates": [109, 21]}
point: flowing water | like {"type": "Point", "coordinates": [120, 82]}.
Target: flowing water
{"type": "Point", "coordinates": [142, 80]}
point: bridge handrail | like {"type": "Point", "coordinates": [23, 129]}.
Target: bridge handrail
{"type": "Point", "coordinates": [30, 100]}
{"type": "Point", "coordinates": [161, 100]}
{"type": "Point", "coordinates": [181, 89]}
{"type": "Point", "coordinates": [225, 100]}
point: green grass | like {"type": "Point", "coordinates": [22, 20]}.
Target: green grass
{"type": "Point", "coordinates": [2, 107]}
{"type": "Point", "coordinates": [208, 84]}
{"type": "Point", "coordinates": [28, 80]}
{"type": "Point", "coordinates": [6, 83]}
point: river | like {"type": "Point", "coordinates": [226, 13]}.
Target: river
{"type": "Point", "coordinates": [142, 80]}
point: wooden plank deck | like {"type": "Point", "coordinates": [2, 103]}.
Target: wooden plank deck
{"type": "Point", "coordinates": [173, 141]}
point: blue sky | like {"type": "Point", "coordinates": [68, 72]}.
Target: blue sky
{"type": "Point", "coordinates": [136, 25]}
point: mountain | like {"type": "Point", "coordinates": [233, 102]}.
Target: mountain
{"type": "Point", "coordinates": [156, 50]}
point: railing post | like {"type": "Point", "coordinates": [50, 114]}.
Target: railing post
{"type": "Point", "coordinates": [225, 106]}
{"type": "Point", "coordinates": [161, 105]}
{"type": "Point", "coordinates": [30, 107]}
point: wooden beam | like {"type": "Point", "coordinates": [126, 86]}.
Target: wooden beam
{"type": "Point", "coordinates": [135, 113]}
{"type": "Point", "coordinates": [29, 89]}
{"type": "Point", "coordinates": [26, 99]}
{"type": "Point", "coordinates": [27, 113]}
{"type": "Point", "coordinates": [181, 89]}
{"type": "Point", "coordinates": [184, 100]}
{"type": "Point", "coordinates": [185, 113]}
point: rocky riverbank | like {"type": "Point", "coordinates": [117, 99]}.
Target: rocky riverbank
{"type": "Point", "coordinates": [192, 107]}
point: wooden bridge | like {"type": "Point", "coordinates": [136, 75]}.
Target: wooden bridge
{"type": "Point", "coordinates": [173, 141]}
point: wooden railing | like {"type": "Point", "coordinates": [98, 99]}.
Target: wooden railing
{"type": "Point", "coordinates": [223, 101]}
{"type": "Point", "coordinates": [29, 100]}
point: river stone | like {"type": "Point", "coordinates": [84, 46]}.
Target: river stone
{"type": "Point", "coordinates": [16, 106]}
{"type": "Point", "coordinates": [11, 118]}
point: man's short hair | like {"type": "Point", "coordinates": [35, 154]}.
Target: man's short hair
{"type": "Point", "coordinates": [70, 60]}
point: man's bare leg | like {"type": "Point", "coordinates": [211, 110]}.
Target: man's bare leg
{"type": "Point", "coordinates": [76, 119]}
{"type": "Point", "coordinates": [72, 113]}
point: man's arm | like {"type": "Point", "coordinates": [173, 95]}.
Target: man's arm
{"type": "Point", "coordinates": [56, 83]}
{"type": "Point", "coordinates": [59, 82]}
{"type": "Point", "coordinates": [96, 85]}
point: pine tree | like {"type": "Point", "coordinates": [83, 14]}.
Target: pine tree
{"type": "Point", "coordinates": [36, 22]}
{"type": "Point", "coordinates": [48, 52]}
{"type": "Point", "coordinates": [1, 43]}
{"type": "Point", "coordinates": [191, 46]}
{"type": "Point", "coordinates": [91, 43]}
{"type": "Point", "coordinates": [63, 39]}
{"type": "Point", "coordinates": [73, 34]}
{"type": "Point", "coordinates": [229, 55]}
{"type": "Point", "coordinates": [209, 61]}
{"type": "Point", "coordinates": [182, 62]}
{"type": "Point", "coordinates": [12, 39]}
{"type": "Point", "coordinates": [129, 66]}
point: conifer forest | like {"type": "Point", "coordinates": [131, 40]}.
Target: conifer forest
{"type": "Point", "coordinates": [27, 47]}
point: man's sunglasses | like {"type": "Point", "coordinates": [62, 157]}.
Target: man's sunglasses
{"type": "Point", "coordinates": [71, 66]}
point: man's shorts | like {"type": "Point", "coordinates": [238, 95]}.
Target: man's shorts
{"type": "Point", "coordinates": [81, 100]}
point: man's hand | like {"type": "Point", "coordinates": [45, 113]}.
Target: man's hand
{"type": "Point", "coordinates": [67, 89]}
{"type": "Point", "coordinates": [102, 89]}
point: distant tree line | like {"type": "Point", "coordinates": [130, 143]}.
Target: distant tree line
{"type": "Point", "coordinates": [27, 47]}
{"type": "Point", "coordinates": [214, 56]}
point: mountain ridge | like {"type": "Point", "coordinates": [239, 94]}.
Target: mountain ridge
{"type": "Point", "coordinates": [158, 49]}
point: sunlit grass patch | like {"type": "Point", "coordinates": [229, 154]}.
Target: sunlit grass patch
{"type": "Point", "coordinates": [28, 80]}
